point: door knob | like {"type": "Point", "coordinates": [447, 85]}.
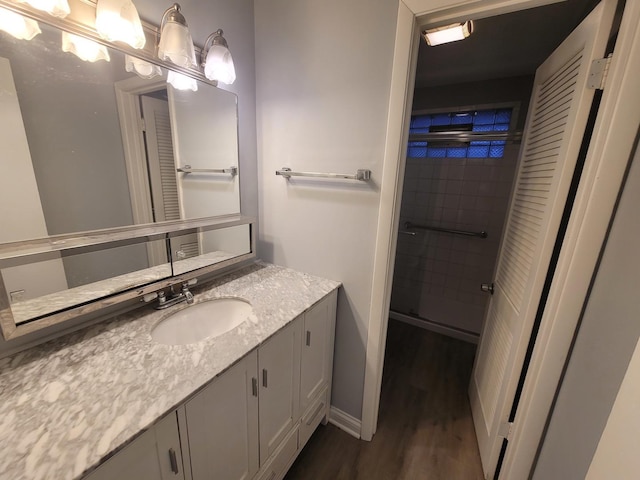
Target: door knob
{"type": "Point", "coordinates": [487, 287]}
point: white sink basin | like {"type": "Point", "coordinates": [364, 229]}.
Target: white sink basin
{"type": "Point", "coordinates": [202, 321]}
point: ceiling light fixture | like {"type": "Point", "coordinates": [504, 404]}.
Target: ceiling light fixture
{"type": "Point", "coordinates": [57, 8]}
{"type": "Point", "coordinates": [449, 33]}
{"type": "Point", "coordinates": [18, 26]}
{"type": "Point", "coordinates": [176, 43]}
{"type": "Point", "coordinates": [219, 63]}
{"type": "Point", "coordinates": [83, 48]}
{"type": "Point", "coordinates": [118, 20]}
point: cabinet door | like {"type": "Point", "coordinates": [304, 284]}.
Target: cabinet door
{"type": "Point", "coordinates": [317, 354]}
{"type": "Point", "coordinates": [222, 424]}
{"type": "Point", "coordinates": [279, 371]}
{"type": "Point", "coordinates": [155, 455]}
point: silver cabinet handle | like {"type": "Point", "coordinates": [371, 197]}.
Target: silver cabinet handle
{"type": "Point", "coordinates": [308, 338]}
{"type": "Point", "coordinates": [264, 377]}
{"type": "Point", "coordinates": [254, 386]}
{"type": "Point", "coordinates": [173, 460]}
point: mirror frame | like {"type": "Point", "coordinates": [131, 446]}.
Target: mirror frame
{"type": "Point", "coordinates": [34, 249]}
{"type": "Point", "coordinates": [81, 21]}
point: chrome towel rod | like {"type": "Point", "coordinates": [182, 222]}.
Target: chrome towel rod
{"type": "Point", "coordinates": [453, 136]}
{"type": "Point", "coordinates": [187, 169]}
{"type": "Point", "coordinates": [482, 234]}
{"type": "Point", "coordinates": [362, 175]}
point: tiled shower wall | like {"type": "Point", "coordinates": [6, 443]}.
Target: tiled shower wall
{"type": "Point", "coordinates": [438, 275]}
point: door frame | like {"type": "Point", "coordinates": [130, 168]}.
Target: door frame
{"type": "Point", "coordinates": [613, 137]}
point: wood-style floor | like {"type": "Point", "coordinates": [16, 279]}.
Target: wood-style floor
{"type": "Point", "coordinates": [425, 430]}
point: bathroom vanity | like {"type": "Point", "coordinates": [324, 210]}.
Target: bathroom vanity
{"type": "Point", "coordinates": [110, 402]}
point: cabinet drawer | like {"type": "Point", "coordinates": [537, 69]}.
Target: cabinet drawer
{"type": "Point", "coordinates": [277, 466]}
{"type": "Point", "coordinates": [313, 416]}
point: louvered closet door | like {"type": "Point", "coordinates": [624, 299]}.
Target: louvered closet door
{"type": "Point", "coordinates": [162, 175]}
{"type": "Point", "coordinates": [555, 126]}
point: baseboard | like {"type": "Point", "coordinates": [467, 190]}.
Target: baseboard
{"type": "Point", "coordinates": [345, 422]}
{"type": "Point", "coordinates": [435, 327]}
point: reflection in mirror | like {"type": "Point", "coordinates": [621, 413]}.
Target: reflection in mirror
{"type": "Point", "coordinates": [204, 247]}
{"type": "Point", "coordinates": [55, 281]}
{"type": "Point", "coordinates": [63, 137]}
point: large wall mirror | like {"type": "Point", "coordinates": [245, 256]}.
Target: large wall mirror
{"type": "Point", "coordinates": [89, 146]}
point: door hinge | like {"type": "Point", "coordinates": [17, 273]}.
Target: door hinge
{"type": "Point", "coordinates": [143, 125]}
{"type": "Point", "coordinates": [598, 73]}
{"type": "Point", "coordinates": [505, 430]}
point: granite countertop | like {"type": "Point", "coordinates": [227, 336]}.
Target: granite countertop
{"type": "Point", "coordinates": [66, 404]}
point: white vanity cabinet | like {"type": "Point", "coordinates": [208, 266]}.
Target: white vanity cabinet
{"type": "Point", "coordinates": [222, 425]}
{"type": "Point", "coordinates": [251, 421]}
{"type": "Point", "coordinates": [154, 455]}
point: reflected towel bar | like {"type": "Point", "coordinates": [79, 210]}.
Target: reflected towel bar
{"type": "Point", "coordinates": [362, 175]}
{"type": "Point", "coordinates": [187, 169]}
{"type": "Point", "coordinates": [409, 226]}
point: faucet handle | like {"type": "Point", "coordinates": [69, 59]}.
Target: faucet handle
{"type": "Point", "coordinates": [191, 282]}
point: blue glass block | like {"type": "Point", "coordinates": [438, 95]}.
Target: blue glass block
{"type": "Point", "coordinates": [418, 130]}
{"type": "Point", "coordinates": [436, 152]}
{"type": "Point", "coordinates": [421, 121]}
{"type": "Point", "coordinates": [482, 128]}
{"type": "Point", "coordinates": [417, 152]}
{"type": "Point", "coordinates": [480, 142]}
{"type": "Point", "coordinates": [441, 119]}
{"type": "Point", "coordinates": [496, 151]}
{"type": "Point", "coordinates": [477, 151]}
{"type": "Point", "coordinates": [501, 127]}
{"type": "Point", "coordinates": [461, 118]}
{"type": "Point", "coordinates": [498, 142]}
{"type": "Point", "coordinates": [503, 115]}
{"type": "Point", "coordinates": [484, 117]}
{"type": "Point", "coordinates": [457, 152]}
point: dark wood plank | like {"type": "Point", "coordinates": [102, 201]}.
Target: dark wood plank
{"type": "Point", "coordinates": [425, 430]}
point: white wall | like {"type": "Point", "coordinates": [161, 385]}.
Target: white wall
{"type": "Point", "coordinates": [323, 70]}
{"type": "Point", "coordinates": [617, 454]}
{"type": "Point", "coordinates": [603, 350]}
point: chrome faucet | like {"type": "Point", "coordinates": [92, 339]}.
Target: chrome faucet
{"type": "Point", "coordinates": [184, 296]}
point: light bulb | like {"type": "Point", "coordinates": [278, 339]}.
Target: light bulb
{"type": "Point", "coordinates": [83, 48]}
{"type": "Point", "coordinates": [141, 67]}
{"type": "Point", "coordinates": [219, 65]}
{"type": "Point", "coordinates": [181, 82]}
{"type": "Point", "coordinates": [57, 8]}
{"type": "Point", "coordinates": [15, 24]}
{"type": "Point", "coordinates": [118, 20]}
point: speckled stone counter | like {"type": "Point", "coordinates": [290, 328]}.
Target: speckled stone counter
{"type": "Point", "coordinates": [66, 404]}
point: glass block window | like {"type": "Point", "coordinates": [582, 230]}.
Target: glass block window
{"type": "Point", "coordinates": [491, 120]}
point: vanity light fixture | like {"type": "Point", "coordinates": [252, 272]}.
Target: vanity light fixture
{"type": "Point", "coordinates": [181, 82]}
{"type": "Point", "coordinates": [83, 48]}
{"type": "Point", "coordinates": [140, 67]}
{"type": "Point", "coordinates": [15, 24]}
{"type": "Point", "coordinates": [57, 8]}
{"type": "Point", "coordinates": [118, 20]}
{"type": "Point", "coordinates": [448, 33]}
{"type": "Point", "coordinates": [176, 43]}
{"type": "Point", "coordinates": [217, 60]}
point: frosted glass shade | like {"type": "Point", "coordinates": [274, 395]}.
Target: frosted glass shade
{"type": "Point", "coordinates": [83, 48]}
{"type": "Point", "coordinates": [181, 82]}
{"type": "Point", "coordinates": [118, 21]}
{"type": "Point", "coordinates": [18, 26]}
{"type": "Point", "coordinates": [141, 68]}
{"type": "Point", "coordinates": [57, 8]}
{"type": "Point", "coordinates": [219, 65]}
{"type": "Point", "coordinates": [176, 45]}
